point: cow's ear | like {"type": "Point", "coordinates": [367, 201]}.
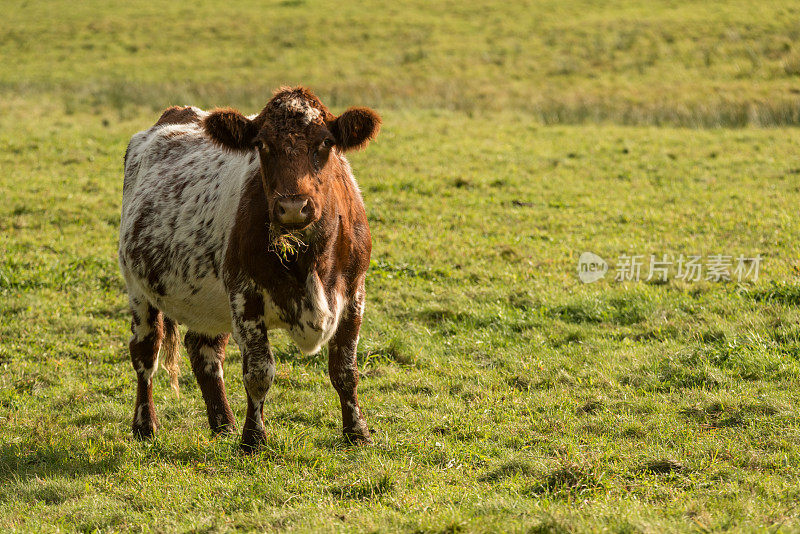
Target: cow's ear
{"type": "Point", "coordinates": [355, 128]}
{"type": "Point", "coordinates": [231, 129]}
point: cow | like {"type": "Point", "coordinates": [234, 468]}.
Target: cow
{"type": "Point", "coordinates": [244, 224]}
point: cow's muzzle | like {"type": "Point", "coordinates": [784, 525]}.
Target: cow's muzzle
{"type": "Point", "coordinates": [293, 212]}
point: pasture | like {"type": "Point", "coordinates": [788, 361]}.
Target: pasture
{"type": "Point", "coordinates": [503, 393]}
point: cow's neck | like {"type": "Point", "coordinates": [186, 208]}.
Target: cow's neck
{"type": "Point", "coordinates": [328, 237]}
{"type": "Point", "coordinates": [251, 250]}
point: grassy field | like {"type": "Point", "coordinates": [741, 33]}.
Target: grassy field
{"type": "Point", "coordinates": [503, 393]}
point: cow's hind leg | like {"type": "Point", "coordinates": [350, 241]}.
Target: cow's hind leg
{"type": "Point", "coordinates": [148, 332]}
{"type": "Point", "coordinates": [207, 355]}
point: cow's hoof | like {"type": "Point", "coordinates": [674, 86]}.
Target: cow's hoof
{"type": "Point", "coordinates": [144, 432]}
{"type": "Point", "coordinates": [358, 435]}
{"type": "Point", "coordinates": [252, 441]}
{"type": "Point", "coordinates": [224, 430]}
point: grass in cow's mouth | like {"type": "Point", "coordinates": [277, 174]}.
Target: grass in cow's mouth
{"type": "Point", "coordinates": [285, 243]}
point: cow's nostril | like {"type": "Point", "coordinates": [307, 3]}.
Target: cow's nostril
{"type": "Point", "coordinates": [281, 210]}
{"type": "Point", "coordinates": [306, 209]}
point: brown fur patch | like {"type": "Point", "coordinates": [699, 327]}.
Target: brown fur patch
{"type": "Point", "coordinates": [178, 115]}
{"type": "Point", "coordinates": [292, 121]}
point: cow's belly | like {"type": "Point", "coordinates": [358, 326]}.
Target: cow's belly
{"type": "Point", "coordinates": [206, 314]}
{"type": "Point", "coordinates": [202, 307]}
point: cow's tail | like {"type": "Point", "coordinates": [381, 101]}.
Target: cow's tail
{"type": "Point", "coordinates": [169, 348]}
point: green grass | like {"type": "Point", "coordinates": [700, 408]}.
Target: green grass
{"type": "Point", "coordinates": [728, 63]}
{"type": "Point", "coordinates": [503, 393]}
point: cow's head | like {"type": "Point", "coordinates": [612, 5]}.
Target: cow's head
{"type": "Point", "coordinates": [299, 142]}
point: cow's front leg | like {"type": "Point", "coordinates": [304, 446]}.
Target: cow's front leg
{"type": "Point", "coordinates": [258, 365]}
{"type": "Point", "coordinates": [343, 370]}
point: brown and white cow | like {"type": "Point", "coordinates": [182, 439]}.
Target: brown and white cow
{"type": "Point", "coordinates": [208, 200]}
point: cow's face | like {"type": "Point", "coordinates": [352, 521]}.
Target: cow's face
{"type": "Point", "coordinates": [298, 141]}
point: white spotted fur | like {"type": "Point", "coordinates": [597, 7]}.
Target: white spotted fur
{"type": "Point", "coordinates": [316, 325]}
{"type": "Point", "coordinates": [211, 362]}
{"type": "Point", "coordinates": [302, 107]}
{"type": "Point", "coordinates": [206, 312]}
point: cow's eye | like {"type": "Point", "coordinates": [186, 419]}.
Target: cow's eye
{"type": "Point", "coordinates": [327, 143]}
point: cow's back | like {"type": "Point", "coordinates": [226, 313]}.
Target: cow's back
{"type": "Point", "coordinates": [180, 197]}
